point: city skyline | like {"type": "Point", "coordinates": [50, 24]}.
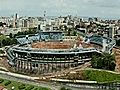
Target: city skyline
{"type": "Point", "coordinates": [92, 8]}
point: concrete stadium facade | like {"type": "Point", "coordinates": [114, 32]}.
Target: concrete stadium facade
{"type": "Point", "coordinates": [26, 59]}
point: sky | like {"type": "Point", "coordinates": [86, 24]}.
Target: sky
{"type": "Point", "coordinates": [92, 8]}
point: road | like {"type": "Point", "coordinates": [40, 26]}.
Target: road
{"type": "Point", "coordinates": [27, 81]}
{"type": "Point", "coordinates": [30, 80]}
{"type": "Point", "coordinates": [51, 85]}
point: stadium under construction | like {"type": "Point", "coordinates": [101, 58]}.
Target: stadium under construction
{"type": "Point", "coordinates": [51, 51]}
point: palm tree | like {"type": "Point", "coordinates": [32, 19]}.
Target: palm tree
{"type": "Point", "coordinates": [103, 61]}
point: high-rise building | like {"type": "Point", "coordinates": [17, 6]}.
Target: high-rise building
{"type": "Point", "coordinates": [15, 18]}
{"type": "Point", "coordinates": [25, 23]}
{"type": "Point", "coordinates": [111, 32]}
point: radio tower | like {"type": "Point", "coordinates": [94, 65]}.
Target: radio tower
{"type": "Point", "coordinates": [44, 15]}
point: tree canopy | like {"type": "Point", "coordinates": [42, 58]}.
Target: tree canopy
{"type": "Point", "coordinates": [118, 42]}
{"type": "Point", "coordinates": [103, 61]}
{"type": "Point", "coordinates": [9, 41]}
{"type": "Point", "coordinates": [30, 31]}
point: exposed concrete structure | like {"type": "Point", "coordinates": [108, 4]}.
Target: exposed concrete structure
{"type": "Point", "coordinates": [45, 58]}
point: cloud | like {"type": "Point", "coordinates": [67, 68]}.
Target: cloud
{"type": "Point", "coordinates": [61, 7]}
{"type": "Point", "coordinates": [105, 3]}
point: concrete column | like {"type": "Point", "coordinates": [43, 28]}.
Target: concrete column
{"type": "Point", "coordinates": [27, 66]}
{"type": "Point", "coordinates": [38, 68]}
{"type": "Point", "coordinates": [19, 65]}
{"type": "Point", "coordinates": [30, 66]}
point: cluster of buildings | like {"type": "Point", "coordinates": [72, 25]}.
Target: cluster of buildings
{"type": "Point", "coordinates": [50, 49]}
{"type": "Point", "coordinates": [15, 23]}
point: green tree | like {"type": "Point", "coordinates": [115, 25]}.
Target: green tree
{"type": "Point", "coordinates": [69, 32]}
{"type": "Point", "coordinates": [19, 33]}
{"type": "Point", "coordinates": [118, 42]}
{"type": "Point", "coordinates": [8, 41]}
{"type": "Point", "coordinates": [74, 33]}
{"type": "Point", "coordinates": [4, 42]}
{"type": "Point", "coordinates": [14, 41]}
{"type": "Point", "coordinates": [103, 61]}
{"type": "Point", "coordinates": [10, 35]}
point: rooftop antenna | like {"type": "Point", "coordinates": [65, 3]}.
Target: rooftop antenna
{"type": "Point", "coordinates": [44, 15]}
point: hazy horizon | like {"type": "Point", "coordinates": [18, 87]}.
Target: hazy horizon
{"type": "Point", "coordinates": [85, 8]}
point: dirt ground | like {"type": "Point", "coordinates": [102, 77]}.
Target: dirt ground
{"type": "Point", "coordinates": [4, 63]}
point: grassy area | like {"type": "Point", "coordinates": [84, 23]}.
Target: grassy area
{"type": "Point", "coordinates": [19, 86]}
{"type": "Point", "coordinates": [101, 76]}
